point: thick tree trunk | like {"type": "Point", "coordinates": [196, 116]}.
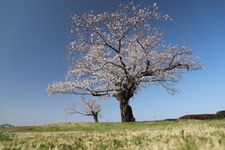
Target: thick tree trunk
{"type": "Point", "coordinates": [95, 118]}
{"type": "Point", "coordinates": [126, 112]}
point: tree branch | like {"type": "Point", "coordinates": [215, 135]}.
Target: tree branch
{"type": "Point", "coordinates": [116, 65]}
{"type": "Point", "coordinates": [104, 40]}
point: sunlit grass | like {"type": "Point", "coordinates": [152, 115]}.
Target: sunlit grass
{"type": "Point", "coordinates": [178, 135]}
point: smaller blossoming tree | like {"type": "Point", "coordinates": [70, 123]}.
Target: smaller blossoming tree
{"type": "Point", "coordinates": [90, 108]}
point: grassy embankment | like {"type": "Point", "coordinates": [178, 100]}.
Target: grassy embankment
{"type": "Point", "coordinates": [185, 134]}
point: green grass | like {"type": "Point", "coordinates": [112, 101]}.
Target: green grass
{"type": "Point", "coordinates": [101, 127]}
{"type": "Point", "coordinates": [67, 127]}
{"type": "Point", "coordinates": [174, 135]}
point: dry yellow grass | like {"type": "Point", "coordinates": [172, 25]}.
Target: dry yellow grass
{"type": "Point", "coordinates": [175, 135]}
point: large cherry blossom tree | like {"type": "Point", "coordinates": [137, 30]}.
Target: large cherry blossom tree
{"type": "Point", "coordinates": [116, 54]}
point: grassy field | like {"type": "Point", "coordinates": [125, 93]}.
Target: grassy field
{"type": "Point", "coordinates": [156, 135]}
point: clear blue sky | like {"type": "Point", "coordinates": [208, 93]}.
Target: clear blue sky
{"type": "Point", "coordinates": [34, 35]}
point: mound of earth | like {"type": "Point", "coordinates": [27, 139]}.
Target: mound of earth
{"type": "Point", "coordinates": [218, 115]}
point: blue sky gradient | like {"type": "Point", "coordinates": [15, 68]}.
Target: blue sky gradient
{"type": "Point", "coordinates": [34, 35]}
